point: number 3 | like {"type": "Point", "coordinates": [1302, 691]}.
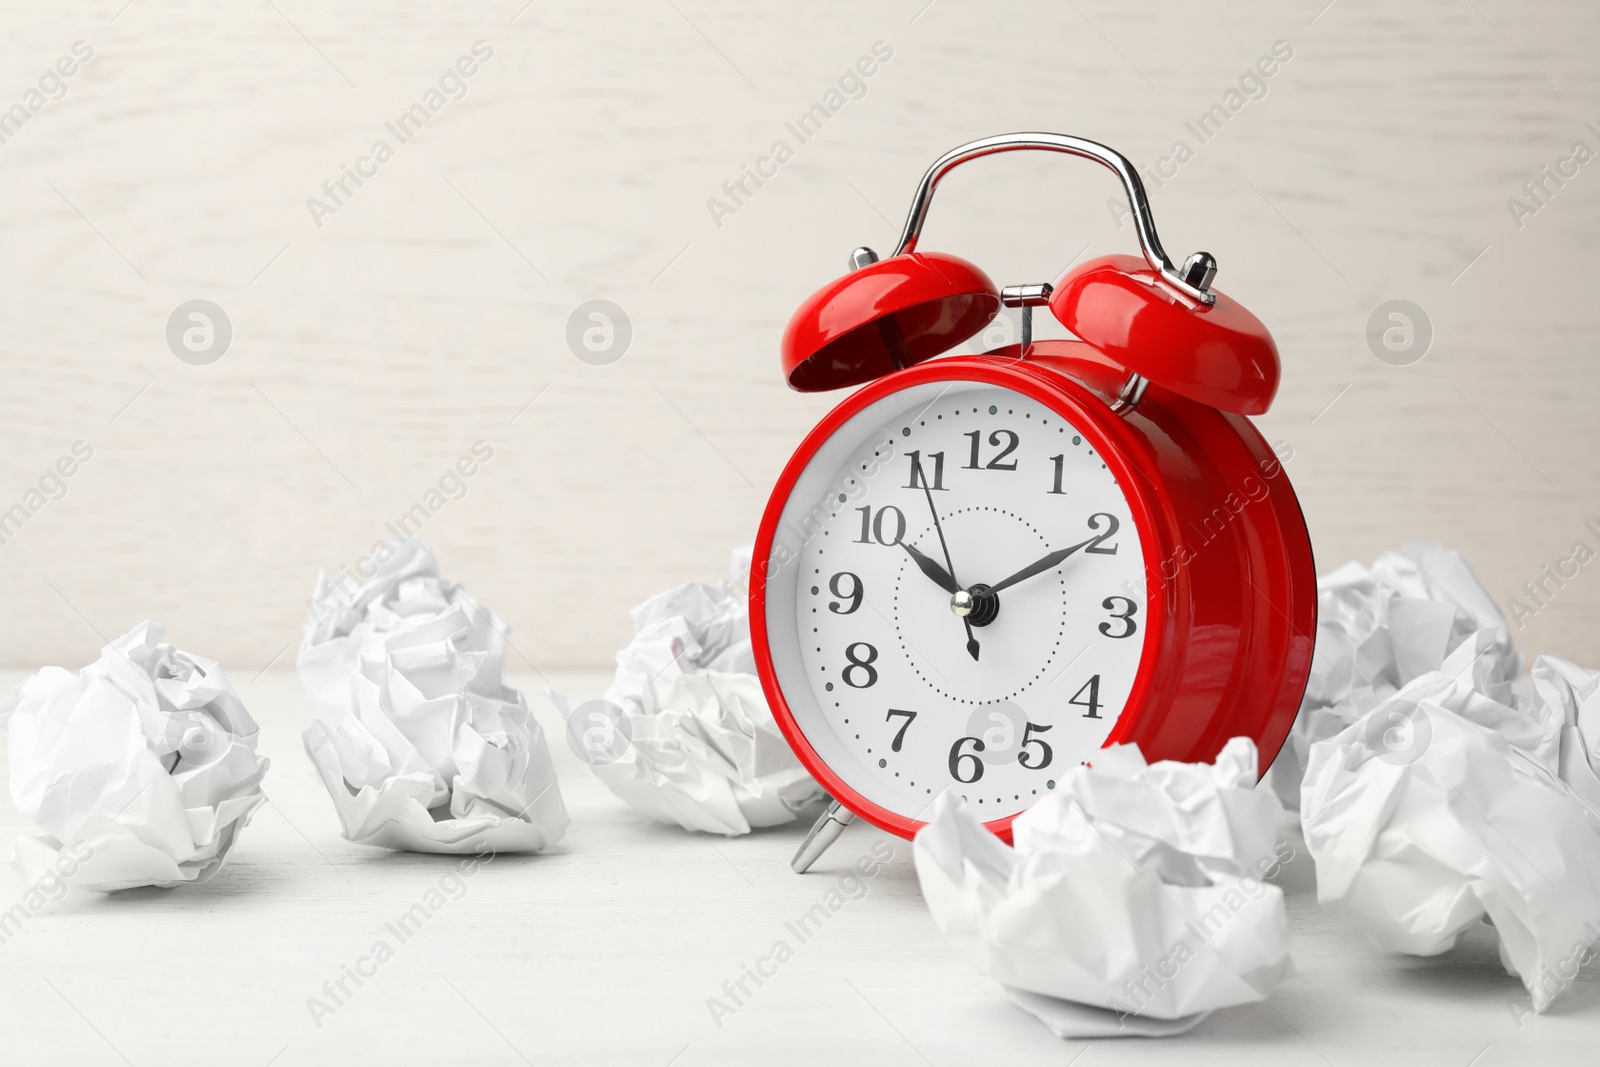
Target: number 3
{"type": "Point", "coordinates": [1109, 603]}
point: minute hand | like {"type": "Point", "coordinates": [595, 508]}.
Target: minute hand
{"type": "Point", "coordinates": [1048, 563]}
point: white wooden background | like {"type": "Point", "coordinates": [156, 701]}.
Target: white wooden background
{"type": "Point", "coordinates": [369, 353]}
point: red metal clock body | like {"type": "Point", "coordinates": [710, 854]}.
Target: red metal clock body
{"type": "Point", "coordinates": [1171, 546]}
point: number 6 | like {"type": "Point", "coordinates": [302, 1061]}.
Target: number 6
{"type": "Point", "coordinates": [956, 756]}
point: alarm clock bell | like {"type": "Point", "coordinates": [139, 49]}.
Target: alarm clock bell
{"type": "Point", "coordinates": [1162, 324]}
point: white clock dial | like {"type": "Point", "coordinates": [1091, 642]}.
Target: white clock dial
{"type": "Point", "coordinates": [877, 667]}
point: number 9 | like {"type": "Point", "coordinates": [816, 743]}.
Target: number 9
{"type": "Point", "coordinates": [853, 594]}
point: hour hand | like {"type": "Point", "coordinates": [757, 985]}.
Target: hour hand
{"type": "Point", "coordinates": [940, 576]}
{"type": "Point", "coordinates": [1050, 562]}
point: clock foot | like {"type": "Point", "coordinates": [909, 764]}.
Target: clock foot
{"type": "Point", "coordinates": [823, 833]}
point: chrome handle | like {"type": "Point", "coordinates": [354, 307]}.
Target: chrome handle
{"type": "Point", "coordinates": [1197, 271]}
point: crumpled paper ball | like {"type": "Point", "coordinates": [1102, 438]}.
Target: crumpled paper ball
{"type": "Point", "coordinates": [1444, 806]}
{"type": "Point", "coordinates": [419, 741]}
{"type": "Point", "coordinates": [1417, 609]}
{"type": "Point", "coordinates": [1132, 902]}
{"type": "Point", "coordinates": [141, 769]}
{"type": "Point", "coordinates": [684, 734]}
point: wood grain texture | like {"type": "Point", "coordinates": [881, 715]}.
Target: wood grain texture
{"type": "Point", "coordinates": [372, 351]}
{"type": "Point", "coordinates": [607, 949]}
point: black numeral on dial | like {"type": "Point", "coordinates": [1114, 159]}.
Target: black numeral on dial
{"type": "Point", "coordinates": [888, 526]}
{"type": "Point", "coordinates": [1110, 604]}
{"type": "Point", "coordinates": [1060, 463]}
{"type": "Point", "coordinates": [998, 438]}
{"type": "Point", "coordinates": [1092, 687]}
{"type": "Point", "coordinates": [862, 664]}
{"type": "Point", "coordinates": [957, 756]}
{"type": "Point", "coordinates": [853, 594]}
{"type": "Point", "coordinates": [1045, 754]}
{"type": "Point", "coordinates": [919, 473]}
{"type": "Point", "coordinates": [1111, 531]}
{"type": "Point", "coordinates": [900, 734]}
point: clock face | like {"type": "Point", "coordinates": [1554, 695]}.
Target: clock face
{"type": "Point", "coordinates": [956, 486]}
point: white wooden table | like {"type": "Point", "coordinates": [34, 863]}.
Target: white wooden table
{"type": "Point", "coordinates": [607, 949]}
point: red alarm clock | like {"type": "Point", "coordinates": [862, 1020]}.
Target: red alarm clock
{"type": "Point", "coordinates": [978, 570]}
